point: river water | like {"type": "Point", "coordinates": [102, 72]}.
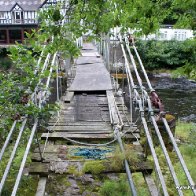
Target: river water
{"type": "Point", "coordinates": [178, 95]}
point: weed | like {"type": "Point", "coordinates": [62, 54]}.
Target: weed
{"type": "Point", "coordinates": [94, 167]}
{"type": "Point", "coordinates": [115, 188]}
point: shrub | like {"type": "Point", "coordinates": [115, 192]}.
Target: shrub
{"type": "Point", "coordinates": [167, 54]}
{"type": "Point", "coordinates": [5, 63]}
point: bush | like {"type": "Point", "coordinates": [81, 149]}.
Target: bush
{"type": "Point", "coordinates": [167, 54]}
{"type": "Point", "coordinates": [115, 188]}
{"type": "Point", "coordinates": [5, 63]}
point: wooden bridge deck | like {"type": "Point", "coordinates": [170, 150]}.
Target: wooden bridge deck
{"type": "Point", "coordinates": [84, 117]}
{"type": "Point", "coordinates": [91, 73]}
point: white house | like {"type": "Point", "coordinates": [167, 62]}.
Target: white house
{"type": "Point", "coordinates": [166, 32]}
{"type": "Point", "coordinates": [169, 33]}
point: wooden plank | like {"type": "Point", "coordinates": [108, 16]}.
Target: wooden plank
{"type": "Point", "coordinates": [88, 46]}
{"type": "Point", "coordinates": [68, 97]}
{"type": "Point", "coordinates": [38, 168]}
{"type": "Point", "coordinates": [153, 190]}
{"type": "Point", "coordinates": [41, 186]}
{"type": "Point", "coordinates": [75, 124]}
{"type": "Point", "coordinates": [91, 82]}
{"type": "Point", "coordinates": [112, 108]}
{"type": "Point", "coordinates": [63, 120]}
{"type": "Point", "coordinates": [98, 68]}
{"type": "Point", "coordinates": [63, 165]}
{"type": "Point", "coordinates": [61, 135]}
{"type": "Point", "coordinates": [96, 54]}
{"type": "Point", "coordinates": [81, 128]}
{"type": "Point", "coordinates": [88, 60]}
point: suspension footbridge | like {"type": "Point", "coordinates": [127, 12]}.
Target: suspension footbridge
{"type": "Point", "coordinates": [92, 121]}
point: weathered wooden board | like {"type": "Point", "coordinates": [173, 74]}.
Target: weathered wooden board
{"type": "Point", "coordinates": [96, 54]}
{"type": "Point", "coordinates": [61, 166]}
{"type": "Point", "coordinates": [153, 189]}
{"type": "Point", "coordinates": [98, 68]}
{"type": "Point", "coordinates": [88, 46]}
{"type": "Point", "coordinates": [82, 123]}
{"type": "Point", "coordinates": [91, 82]}
{"type": "Point", "coordinates": [80, 128]}
{"type": "Point", "coordinates": [66, 120]}
{"type": "Point", "coordinates": [41, 186]}
{"type": "Point", "coordinates": [111, 103]}
{"type": "Point", "coordinates": [61, 135]}
{"type": "Point", "coordinates": [39, 168]}
{"type": "Point", "coordinates": [87, 60]}
{"type": "Point", "coordinates": [68, 97]}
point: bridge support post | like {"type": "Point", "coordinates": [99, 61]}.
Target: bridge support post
{"type": "Point", "coordinates": [41, 186]}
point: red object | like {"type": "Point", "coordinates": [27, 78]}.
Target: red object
{"type": "Point", "coordinates": [156, 102]}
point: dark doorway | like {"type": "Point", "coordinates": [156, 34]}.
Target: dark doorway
{"type": "Point", "coordinates": [3, 37]}
{"type": "Point", "coordinates": [15, 35]}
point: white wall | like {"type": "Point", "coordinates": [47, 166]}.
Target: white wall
{"type": "Point", "coordinates": [170, 34]}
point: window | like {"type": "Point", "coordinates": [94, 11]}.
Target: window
{"type": "Point", "coordinates": [2, 15]}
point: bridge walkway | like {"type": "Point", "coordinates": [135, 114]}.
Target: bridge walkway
{"type": "Point", "coordinates": [83, 126]}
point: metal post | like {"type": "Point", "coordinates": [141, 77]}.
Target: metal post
{"type": "Point", "coordinates": [12, 156]}
{"type": "Point", "coordinates": [7, 139]}
{"type": "Point", "coordinates": [128, 171]}
{"type": "Point", "coordinates": [24, 158]}
{"type": "Point", "coordinates": [186, 171]}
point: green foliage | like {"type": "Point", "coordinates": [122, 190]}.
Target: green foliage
{"type": "Point", "coordinates": [186, 132]}
{"type": "Point", "coordinates": [94, 167]}
{"type": "Point", "coordinates": [169, 54]}
{"type": "Point", "coordinates": [117, 159]}
{"type": "Point", "coordinates": [5, 63]}
{"type": "Point", "coordinates": [185, 12]}
{"type": "Point", "coordinates": [115, 188]}
{"type": "Point", "coordinates": [18, 85]}
{"type": "Point", "coordinates": [100, 16]}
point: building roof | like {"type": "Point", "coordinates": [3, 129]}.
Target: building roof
{"type": "Point", "coordinates": [26, 5]}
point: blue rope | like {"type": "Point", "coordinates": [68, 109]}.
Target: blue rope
{"type": "Point", "coordinates": [91, 153]}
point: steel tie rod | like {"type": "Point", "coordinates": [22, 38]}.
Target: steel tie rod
{"type": "Point", "coordinates": [12, 156]}
{"type": "Point", "coordinates": [24, 158]}
{"type": "Point", "coordinates": [186, 171]}
{"type": "Point", "coordinates": [7, 139]}
{"type": "Point", "coordinates": [172, 171]}
{"type": "Point", "coordinates": [128, 171]}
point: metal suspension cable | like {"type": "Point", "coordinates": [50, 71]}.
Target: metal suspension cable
{"type": "Point", "coordinates": [14, 123]}
{"type": "Point", "coordinates": [172, 171]}
{"type": "Point", "coordinates": [134, 65]}
{"type": "Point", "coordinates": [33, 131]}
{"type": "Point", "coordinates": [189, 178]}
{"type": "Point", "coordinates": [169, 133]}
{"type": "Point", "coordinates": [7, 139]}
{"type": "Point", "coordinates": [12, 155]}
{"type": "Point", "coordinates": [149, 139]}
{"type": "Point", "coordinates": [24, 158]}
{"type": "Point", "coordinates": [128, 171]}
{"type": "Point", "coordinates": [143, 69]}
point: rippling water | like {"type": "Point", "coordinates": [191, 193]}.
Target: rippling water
{"type": "Point", "coordinates": [178, 96]}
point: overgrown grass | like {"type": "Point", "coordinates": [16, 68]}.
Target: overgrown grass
{"type": "Point", "coordinates": [186, 133]}
{"type": "Point", "coordinates": [28, 184]}
{"type": "Point", "coordinates": [115, 188]}
{"type": "Point", "coordinates": [94, 167]}
{"type": "Point", "coordinates": [121, 187]}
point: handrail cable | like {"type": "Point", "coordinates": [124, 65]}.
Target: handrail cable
{"type": "Point", "coordinates": [12, 155]}
{"type": "Point", "coordinates": [168, 160]}
{"type": "Point", "coordinates": [172, 171]}
{"type": "Point", "coordinates": [147, 132]}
